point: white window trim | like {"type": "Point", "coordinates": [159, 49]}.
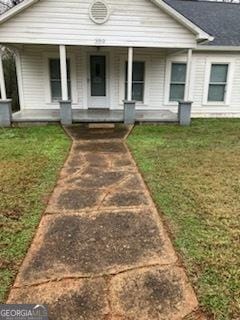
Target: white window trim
{"type": "Point", "coordinates": [123, 61]}
{"type": "Point", "coordinates": [73, 77]}
{"type": "Point", "coordinates": [229, 81]}
{"type": "Point", "coordinates": [169, 62]}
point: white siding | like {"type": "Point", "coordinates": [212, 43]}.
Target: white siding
{"type": "Point", "coordinates": [35, 80]}
{"type": "Point", "coordinates": [131, 23]}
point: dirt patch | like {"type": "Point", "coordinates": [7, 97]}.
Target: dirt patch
{"type": "Point", "coordinates": [83, 300]}
{"type": "Point", "coordinates": [77, 244]}
{"type": "Point", "coordinates": [162, 294]}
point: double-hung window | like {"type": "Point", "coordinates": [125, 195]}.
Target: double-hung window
{"type": "Point", "coordinates": [55, 79]}
{"type": "Point", "coordinates": [218, 82]}
{"type": "Point", "coordinates": [137, 80]}
{"type": "Point", "coordinates": [177, 81]}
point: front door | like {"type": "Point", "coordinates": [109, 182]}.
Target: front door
{"type": "Point", "coordinates": [98, 82]}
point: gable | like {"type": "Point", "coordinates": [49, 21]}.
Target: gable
{"type": "Point", "coordinates": [131, 23]}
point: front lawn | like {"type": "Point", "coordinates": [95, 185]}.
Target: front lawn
{"type": "Point", "coordinates": [194, 176]}
{"type": "Point", "coordinates": [30, 159]}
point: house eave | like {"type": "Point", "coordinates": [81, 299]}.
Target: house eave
{"type": "Point", "coordinates": [200, 34]}
{"type": "Point", "coordinates": [17, 9]}
{"type": "Point", "coordinates": [216, 48]}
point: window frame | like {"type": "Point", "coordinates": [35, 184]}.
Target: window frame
{"type": "Point", "coordinates": [121, 81]}
{"type": "Point", "coordinates": [59, 80]}
{"type": "Point", "coordinates": [168, 71]}
{"type": "Point", "coordinates": [177, 82]}
{"type": "Point", "coordinates": [73, 78]}
{"type": "Point", "coordinates": [228, 83]}
{"type": "Point", "coordinates": [135, 82]}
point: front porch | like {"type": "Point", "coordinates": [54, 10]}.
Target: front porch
{"type": "Point", "coordinates": [94, 116]}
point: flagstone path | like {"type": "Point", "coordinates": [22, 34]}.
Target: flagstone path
{"type": "Point", "coordinates": [101, 251]}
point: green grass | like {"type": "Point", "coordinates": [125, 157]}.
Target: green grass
{"type": "Point", "coordinates": [30, 160]}
{"type": "Point", "coordinates": [194, 176]}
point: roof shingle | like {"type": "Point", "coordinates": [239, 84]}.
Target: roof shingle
{"type": "Point", "coordinates": [219, 19]}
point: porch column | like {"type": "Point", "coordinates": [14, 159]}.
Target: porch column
{"type": "Point", "coordinates": [2, 80]}
{"type": "Point", "coordinates": [63, 68]}
{"type": "Point", "coordinates": [5, 104]}
{"type": "Point", "coordinates": [185, 106]}
{"type": "Point", "coordinates": [130, 71]}
{"type": "Point", "coordinates": [188, 75]}
{"type": "Point", "coordinates": [65, 104]}
{"type": "Point", "coordinates": [129, 104]}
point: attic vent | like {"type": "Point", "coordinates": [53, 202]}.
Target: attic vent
{"type": "Point", "coordinates": [99, 11]}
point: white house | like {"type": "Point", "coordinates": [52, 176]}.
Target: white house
{"type": "Point", "coordinates": [97, 53]}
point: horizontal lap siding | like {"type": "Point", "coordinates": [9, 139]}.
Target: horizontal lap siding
{"type": "Point", "coordinates": [199, 72]}
{"type": "Point", "coordinates": [34, 78]}
{"type": "Point", "coordinates": [138, 22]}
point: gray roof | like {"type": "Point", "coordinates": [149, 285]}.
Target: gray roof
{"type": "Point", "coordinates": [221, 20]}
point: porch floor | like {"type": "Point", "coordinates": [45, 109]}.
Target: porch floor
{"type": "Point", "coordinates": [101, 115]}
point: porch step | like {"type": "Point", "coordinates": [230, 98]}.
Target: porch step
{"type": "Point", "coordinates": [101, 125]}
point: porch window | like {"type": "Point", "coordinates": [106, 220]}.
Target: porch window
{"type": "Point", "coordinates": [218, 82]}
{"type": "Point", "coordinates": [55, 79]}
{"type": "Point", "coordinates": [178, 81]}
{"type": "Point", "coordinates": [137, 82]}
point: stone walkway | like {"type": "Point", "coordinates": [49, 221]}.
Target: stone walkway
{"type": "Point", "coordinates": [101, 252]}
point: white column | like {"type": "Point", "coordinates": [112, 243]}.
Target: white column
{"type": "Point", "coordinates": [130, 71]}
{"type": "Point", "coordinates": [63, 67]}
{"type": "Point", "coordinates": [2, 80]}
{"type": "Point", "coordinates": [188, 76]}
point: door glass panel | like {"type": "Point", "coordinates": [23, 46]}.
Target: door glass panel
{"type": "Point", "coordinates": [98, 76]}
{"type": "Point", "coordinates": [219, 73]}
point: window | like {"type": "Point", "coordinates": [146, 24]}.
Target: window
{"type": "Point", "coordinates": [177, 81]}
{"type": "Point", "coordinates": [137, 81]}
{"type": "Point", "coordinates": [55, 79]}
{"type": "Point", "coordinates": [218, 82]}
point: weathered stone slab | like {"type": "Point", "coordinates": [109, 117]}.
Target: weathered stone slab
{"type": "Point", "coordinates": [104, 147]}
{"type": "Point", "coordinates": [126, 198]}
{"type": "Point", "coordinates": [68, 299]}
{"type": "Point", "coordinates": [96, 178]}
{"type": "Point", "coordinates": [73, 199]}
{"type": "Point", "coordinates": [83, 132]}
{"type": "Point", "coordinates": [81, 245]}
{"type": "Point", "coordinates": [158, 293]}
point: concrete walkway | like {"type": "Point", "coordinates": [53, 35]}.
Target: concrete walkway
{"type": "Point", "coordinates": [101, 252]}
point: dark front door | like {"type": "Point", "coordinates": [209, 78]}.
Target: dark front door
{"type": "Point", "coordinates": [98, 83]}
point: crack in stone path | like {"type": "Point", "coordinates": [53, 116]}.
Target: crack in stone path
{"type": "Point", "coordinates": [101, 251]}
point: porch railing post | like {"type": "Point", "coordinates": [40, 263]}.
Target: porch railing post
{"type": "Point", "coordinates": [65, 103]}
